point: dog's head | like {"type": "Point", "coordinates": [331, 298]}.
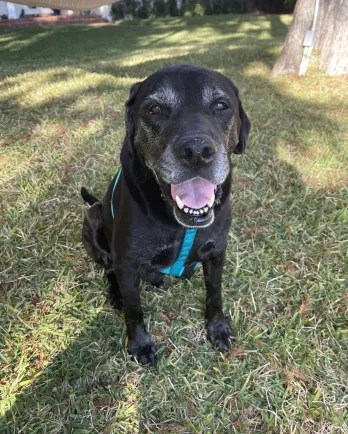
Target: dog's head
{"type": "Point", "coordinates": [184, 122]}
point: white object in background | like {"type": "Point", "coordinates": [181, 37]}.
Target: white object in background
{"type": "Point", "coordinates": [103, 11]}
{"type": "Point", "coordinates": [11, 10]}
{"type": "Point", "coordinates": [308, 42]}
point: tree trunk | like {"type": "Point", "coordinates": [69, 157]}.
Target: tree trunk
{"type": "Point", "coordinates": [291, 55]}
{"type": "Point", "coordinates": [330, 37]}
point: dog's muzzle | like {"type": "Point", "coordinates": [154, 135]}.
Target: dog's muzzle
{"type": "Point", "coordinates": [194, 202]}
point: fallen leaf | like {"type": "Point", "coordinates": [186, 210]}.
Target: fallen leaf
{"type": "Point", "coordinates": [305, 306]}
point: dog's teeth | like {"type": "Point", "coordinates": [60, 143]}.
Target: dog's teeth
{"type": "Point", "coordinates": [191, 211]}
{"type": "Point", "coordinates": [186, 210]}
{"type": "Point", "coordinates": [201, 211]}
{"type": "Point", "coordinates": [196, 212]}
{"type": "Point", "coordinates": [211, 200]}
{"type": "Point", "coordinates": [205, 209]}
{"type": "Point", "coordinates": [179, 202]}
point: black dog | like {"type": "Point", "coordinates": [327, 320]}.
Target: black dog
{"type": "Point", "coordinates": [182, 125]}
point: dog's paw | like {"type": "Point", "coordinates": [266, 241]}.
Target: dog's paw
{"type": "Point", "coordinates": [158, 283]}
{"type": "Point", "coordinates": [143, 350]}
{"type": "Point", "coordinates": [220, 334]}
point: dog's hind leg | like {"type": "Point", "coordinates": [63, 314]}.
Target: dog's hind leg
{"type": "Point", "coordinates": [93, 237]}
{"type": "Point", "coordinates": [156, 280]}
{"type": "Point", "coordinates": [115, 296]}
{"type": "Point", "coordinates": [97, 247]}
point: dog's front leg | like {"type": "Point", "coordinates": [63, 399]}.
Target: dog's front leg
{"type": "Point", "coordinates": [139, 341]}
{"type": "Point", "coordinates": [218, 326]}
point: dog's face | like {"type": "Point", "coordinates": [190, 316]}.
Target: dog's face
{"type": "Point", "coordinates": [185, 121]}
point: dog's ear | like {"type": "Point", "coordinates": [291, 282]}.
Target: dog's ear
{"type": "Point", "coordinates": [244, 123]}
{"type": "Point", "coordinates": [129, 115]}
{"type": "Point", "coordinates": [243, 131]}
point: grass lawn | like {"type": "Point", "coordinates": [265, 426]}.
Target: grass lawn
{"type": "Point", "coordinates": [63, 363]}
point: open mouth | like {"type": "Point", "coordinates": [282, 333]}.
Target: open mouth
{"type": "Point", "coordinates": [195, 200]}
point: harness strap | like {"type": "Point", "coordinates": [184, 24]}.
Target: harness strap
{"type": "Point", "coordinates": [113, 191]}
{"type": "Point", "coordinates": [178, 267]}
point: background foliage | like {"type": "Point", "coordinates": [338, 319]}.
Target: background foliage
{"type": "Point", "coordinates": [139, 9]}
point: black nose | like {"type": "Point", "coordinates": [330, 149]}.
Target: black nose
{"type": "Point", "coordinates": [196, 151]}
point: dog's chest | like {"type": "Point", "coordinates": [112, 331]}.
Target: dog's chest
{"type": "Point", "coordinates": [160, 248]}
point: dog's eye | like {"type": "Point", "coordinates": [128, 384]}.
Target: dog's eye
{"type": "Point", "coordinates": [221, 106]}
{"type": "Point", "coordinates": [155, 110]}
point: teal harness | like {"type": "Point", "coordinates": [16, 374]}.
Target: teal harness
{"type": "Point", "coordinates": [178, 268]}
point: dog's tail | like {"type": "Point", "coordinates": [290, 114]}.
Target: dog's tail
{"type": "Point", "coordinates": [87, 197]}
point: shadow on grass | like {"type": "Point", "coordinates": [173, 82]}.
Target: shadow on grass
{"type": "Point", "coordinates": [277, 27]}
{"type": "Point", "coordinates": [58, 45]}
{"type": "Point", "coordinates": [114, 80]}
{"type": "Point", "coordinates": [92, 386]}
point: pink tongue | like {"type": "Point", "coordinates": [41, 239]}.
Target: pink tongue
{"type": "Point", "coordinates": [194, 193]}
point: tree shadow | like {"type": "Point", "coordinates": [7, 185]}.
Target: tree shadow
{"type": "Point", "coordinates": [278, 28]}
{"type": "Point", "coordinates": [64, 46]}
